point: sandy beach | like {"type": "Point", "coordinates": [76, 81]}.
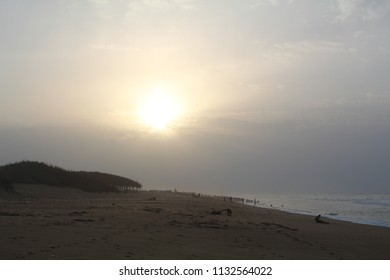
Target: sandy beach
{"type": "Point", "coordinates": [58, 223]}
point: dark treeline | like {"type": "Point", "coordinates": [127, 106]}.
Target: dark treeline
{"type": "Point", "coordinates": [31, 172]}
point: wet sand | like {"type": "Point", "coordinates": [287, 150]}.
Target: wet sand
{"type": "Point", "coordinates": [55, 223]}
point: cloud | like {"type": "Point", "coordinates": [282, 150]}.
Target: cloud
{"type": "Point", "coordinates": [274, 3]}
{"type": "Point", "coordinates": [107, 9]}
{"type": "Point", "coordinates": [101, 8]}
{"type": "Point", "coordinates": [284, 55]}
{"type": "Point", "coordinates": [186, 4]}
{"type": "Point", "coordinates": [141, 5]}
{"type": "Point", "coordinates": [158, 4]}
{"type": "Point", "coordinates": [366, 10]}
{"type": "Point", "coordinates": [112, 47]}
{"type": "Point", "coordinates": [308, 46]}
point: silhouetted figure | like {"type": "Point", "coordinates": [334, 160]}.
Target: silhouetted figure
{"type": "Point", "coordinates": [318, 220]}
{"type": "Point", "coordinates": [228, 212]}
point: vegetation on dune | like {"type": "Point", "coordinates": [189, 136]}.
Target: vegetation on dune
{"type": "Point", "coordinates": [31, 172]}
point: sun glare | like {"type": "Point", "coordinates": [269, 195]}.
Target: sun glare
{"type": "Point", "coordinates": [158, 110]}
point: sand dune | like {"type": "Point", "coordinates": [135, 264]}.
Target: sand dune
{"type": "Point", "coordinates": [57, 223]}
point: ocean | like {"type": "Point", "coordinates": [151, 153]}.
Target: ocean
{"type": "Point", "coordinates": [362, 209]}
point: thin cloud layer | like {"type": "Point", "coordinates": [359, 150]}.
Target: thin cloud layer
{"type": "Point", "coordinates": [276, 95]}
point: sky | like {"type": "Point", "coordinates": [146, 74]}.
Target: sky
{"type": "Point", "coordinates": [217, 96]}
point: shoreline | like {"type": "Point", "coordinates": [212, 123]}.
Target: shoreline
{"type": "Point", "coordinates": [56, 223]}
{"type": "Point", "coordinates": [346, 214]}
{"type": "Point", "coordinates": [331, 217]}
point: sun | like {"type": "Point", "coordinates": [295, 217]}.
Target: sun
{"type": "Point", "coordinates": [159, 109]}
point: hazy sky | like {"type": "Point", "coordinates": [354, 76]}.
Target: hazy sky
{"type": "Point", "coordinates": [269, 95]}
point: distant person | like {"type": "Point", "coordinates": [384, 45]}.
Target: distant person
{"type": "Point", "coordinates": [318, 220]}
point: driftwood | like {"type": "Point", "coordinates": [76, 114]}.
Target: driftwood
{"type": "Point", "coordinates": [220, 212]}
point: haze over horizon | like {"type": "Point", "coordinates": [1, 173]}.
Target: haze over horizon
{"type": "Point", "coordinates": [220, 96]}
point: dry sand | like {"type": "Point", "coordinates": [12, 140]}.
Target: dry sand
{"type": "Point", "coordinates": [55, 223]}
